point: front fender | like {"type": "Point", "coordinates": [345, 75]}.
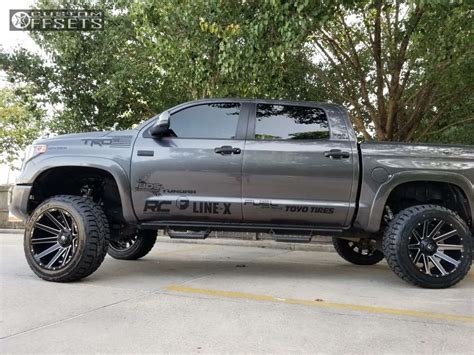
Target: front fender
{"type": "Point", "coordinates": [36, 167]}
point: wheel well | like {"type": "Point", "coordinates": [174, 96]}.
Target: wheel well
{"type": "Point", "coordinates": [428, 192]}
{"type": "Point", "coordinates": [99, 184]}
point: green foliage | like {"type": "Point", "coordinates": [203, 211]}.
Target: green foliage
{"type": "Point", "coordinates": [403, 71]}
{"type": "Point", "coordinates": [20, 123]}
{"type": "Point", "coordinates": [154, 54]}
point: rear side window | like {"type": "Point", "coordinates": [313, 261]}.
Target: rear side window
{"type": "Point", "coordinates": [206, 121]}
{"type": "Point", "coordinates": [281, 122]}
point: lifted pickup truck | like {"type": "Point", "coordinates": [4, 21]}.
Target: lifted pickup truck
{"type": "Point", "coordinates": [292, 169]}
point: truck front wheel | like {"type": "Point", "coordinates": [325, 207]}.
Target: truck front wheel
{"type": "Point", "coordinates": [428, 246]}
{"type": "Point", "coordinates": [359, 252]}
{"type": "Point", "coordinates": [66, 238]}
{"type": "Point", "coordinates": [133, 247]}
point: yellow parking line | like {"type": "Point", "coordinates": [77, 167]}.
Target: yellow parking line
{"type": "Point", "coordinates": [320, 304]}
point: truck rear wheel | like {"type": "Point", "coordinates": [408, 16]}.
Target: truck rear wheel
{"type": "Point", "coordinates": [66, 239]}
{"type": "Point", "coordinates": [362, 252]}
{"type": "Point", "coordinates": [133, 247]}
{"type": "Point", "coordinates": [428, 246]}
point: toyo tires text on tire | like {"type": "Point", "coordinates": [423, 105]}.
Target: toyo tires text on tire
{"type": "Point", "coordinates": [66, 238]}
{"type": "Point", "coordinates": [428, 246]}
{"type": "Point", "coordinates": [135, 247]}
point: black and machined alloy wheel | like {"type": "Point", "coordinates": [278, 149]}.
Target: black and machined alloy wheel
{"type": "Point", "coordinates": [66, 238]}
{"type": "Point", "coordinates": [134, 246]}
{"type": "Point", "coordinates": [359, 252]}
{"type": "Point", "coordinates": [428, 246]}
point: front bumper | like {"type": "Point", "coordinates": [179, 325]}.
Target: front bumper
{"type": "Point", "coordinates": [19, 201]}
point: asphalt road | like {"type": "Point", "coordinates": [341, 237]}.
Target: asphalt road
{"type": "Point", "coordinates": [199, 298]}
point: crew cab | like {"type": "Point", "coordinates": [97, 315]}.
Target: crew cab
{"type": "Point", "coordinates": [292, 169]}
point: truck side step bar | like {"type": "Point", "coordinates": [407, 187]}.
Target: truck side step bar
{"type": "Point", "coordinates": [188, 234]}
{"type": "Point", "coordinates": [291, 238]}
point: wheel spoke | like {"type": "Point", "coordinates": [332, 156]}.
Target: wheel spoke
{"type": "Point", "coordinates": [426, 265]}
{"type": "Point", "coordinates": [63, 216]}
{"type": "Point", "coordinates": [44, 240]}
{"type": "Point", "coordinates": [442, 237]}
{"type": "Point", "coordinates": [56, 257]}
{"type": "Point", "coordinates": [417, 257]}
{"type": "Point", "coordinates": [48, 251]}
{"type": "Point", "coordinates": [425, 229]}
{"type": "Point", "coordinates": [416, 235]}
{"type": "Point", "coordinates": [436, 229]}
{"type": "Point", "coordinates": [54, 220]}
{"type": "Point", "coordinates": [47, 228]}
{"type": "Point", "coordinates": [414, 246]}
{"type": "Point", "coordinates": [450, 247]}
{"type": "Point", "coordinates": [447, 258]}
{"type": "Point", "coordinates": [68, 249]}
{"type": "Point", "coordinates": [438, 265]}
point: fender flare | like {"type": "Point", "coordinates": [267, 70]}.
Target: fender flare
{"type": "Point", "coordinates": [35, 168]}
{"type": "Point", "coordinates": [384, 191]}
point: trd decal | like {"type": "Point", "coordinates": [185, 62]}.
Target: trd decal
{"type": "Point", "coordinates": [211, 207]}
{"type": "Point", "coordinates": [113, 142]}
{"type": "Point", "coordinates": [157, 206]}
{"type": "Point", "coordinates": [310, 209]}
{"type": "Point", "coordinates": [158, 189]}
{"type": "Point", "coordinates": [264, 204]}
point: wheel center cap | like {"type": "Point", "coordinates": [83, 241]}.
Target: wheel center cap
{"type": "Point", "coordinates": [64, 239]}
{"type": "Point", "coordinates": [428, 246]}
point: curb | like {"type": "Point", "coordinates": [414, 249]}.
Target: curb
{"type": "Point", "coordinates": [269, 244]}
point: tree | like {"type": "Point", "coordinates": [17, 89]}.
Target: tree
{"type": "Point", "coordinates": [20, 122]}
{"type": "Point", "coordinates": [402, 70]}
{"type": "Point", "coordinates": [153, 55]}
{"type": "Point", "coordinates": [375, 57]}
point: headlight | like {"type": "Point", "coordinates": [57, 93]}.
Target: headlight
{"type": "Point", "coordinates": [32, 151]}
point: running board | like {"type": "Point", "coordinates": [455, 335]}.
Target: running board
{"type": "Point", "coordinates": [188, 235]}
{"type": "Point", "coordinates": [292, 238]}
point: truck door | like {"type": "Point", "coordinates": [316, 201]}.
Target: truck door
{"type": "Point", "coordinates": [193, 173]}
{"type": "Point", "coordinates": [296, 168]}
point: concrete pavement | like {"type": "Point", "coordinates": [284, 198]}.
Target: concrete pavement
{"type": "Point", "coordinates": [201, 298]}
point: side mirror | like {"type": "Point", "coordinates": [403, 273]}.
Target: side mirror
{"type": "Point", "coordinates": [161, 125]}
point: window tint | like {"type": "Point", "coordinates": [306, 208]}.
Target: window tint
{"type": "Point", "coordinates": [206, 121]}
{"type": "Point", "coordinates": [290, 122]}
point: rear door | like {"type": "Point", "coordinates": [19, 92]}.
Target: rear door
{"type": "Point", "coordinates": [193, 173]}
{"type": "Point", "coordinates": [297, 169]}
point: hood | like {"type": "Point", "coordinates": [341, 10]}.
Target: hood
{"type": "Point", "coordinates": [74, 136]}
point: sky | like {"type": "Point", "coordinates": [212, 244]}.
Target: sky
{"type": "Point", "coordinates": [9, 40]}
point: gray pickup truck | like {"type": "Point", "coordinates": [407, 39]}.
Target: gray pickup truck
{"type": "Point", "coordinates": [292, 169]}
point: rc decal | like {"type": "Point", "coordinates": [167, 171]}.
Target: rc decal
{"type": "Point", "coordinates": [157, 206]}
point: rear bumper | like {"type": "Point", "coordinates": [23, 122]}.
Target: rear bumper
{"type": "Point", "coordinates": [19, 201]}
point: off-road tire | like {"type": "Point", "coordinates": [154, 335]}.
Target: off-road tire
{"type": "Point", "coordinates": [93, 238]}
{"type": "Point", "coordinates": [346, 251]}
{"type": "Point", "coordinates": [396, 239]}
{"type": "Point", "coordinates": [144, 241]}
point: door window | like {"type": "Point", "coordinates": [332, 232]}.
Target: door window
{"type": "Point", "coordinates": [217, 120]}
{"type": "Point", "coordinates": [281, 122]}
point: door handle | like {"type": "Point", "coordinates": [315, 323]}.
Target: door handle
{"type": "Point", "coordinates": [227, 150]}
{"type": "Point", "coordinates": [336, 154]}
